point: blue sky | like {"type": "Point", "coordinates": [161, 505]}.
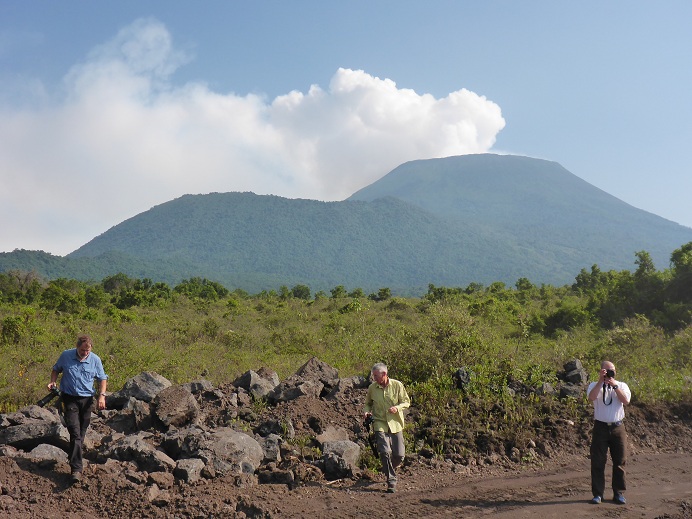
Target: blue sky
{"type": "Point", "coordinates": [110, 108]}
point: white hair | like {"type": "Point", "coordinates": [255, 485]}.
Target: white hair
{"type": "Point", "coordinates": [380, 367]}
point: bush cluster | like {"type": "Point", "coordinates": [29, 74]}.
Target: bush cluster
{"type": "Point", "coordinates": [504, 337]}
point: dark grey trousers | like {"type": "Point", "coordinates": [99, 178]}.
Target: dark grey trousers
{"type": "Point", "coordinates": [77, 418]}
{"type": "Point", "coordinates": [604, 438]}
{"type": "Point", "coordinates": [392, 451]}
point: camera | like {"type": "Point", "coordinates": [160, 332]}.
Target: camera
{"type": "Point", "coordinates": [368, 421]}
{"type": "Point", "coordinates": [610, 373]}
{"type": "Point", "coordinates": [54, 392]}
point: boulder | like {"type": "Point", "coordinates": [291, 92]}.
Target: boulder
{"type": "Point", "coordinates": [175, 406]}
{"type": "Point", "coordinates": [332, 434]}
{"type": "Point", "coordinates": [577, 376]}
{"type": "Point", "coordinates": [141, 411]}
{"type": "Point", "coordinates": [199, 386]}
{"type": "Point", "coordinates": [228, 451]}
{"type": "Point", "coordinates": [315, 369]}
{"type": "Point", "coordinates": [272, 475]}
{"type": "Point", "coordinates": [546, 389]}
{"type": "Point", "coordinates": [223, 450]}
{"type": "Point", "coordinates": [122, 421]}
{"type": "Point", "coordinates": [9, 451]}
{"type": "Point", "coordinates": [574, 372]}
{"type": "Point", "coordinates": [295, 387]}
{"type": "Point", "coordinates": [258, 384]}
{"type": "Point", "coordinates": [158, 497]}
{"type": "Point", "coordinates": [48, 455]}
{"type": "Point", "coordinates": [93, 439]}
{"type": "Point", "coordinates": [164, 480]}
{"type": "Point", "coordinates": [344, 384]}
{"type": "Point", "coordinates": [188, 470]}
{"type": "Point", "coordinates": [572, 391]}
{"type": "Point", "coordinates": [137, 449]}
{"type": "Point", "coordinates": [284, 428]}
{"type": "Point", "coordinates": [31, 426]}
{"type": "Point", "coordinates": [29, 414]}
{"type": "Point", "coordinates": [183, 443]}
{"type": "Point", "coordinates": [242, 398]}
{"type": "Point", "coordinates": [144, 386]}
{"type": "Point", "coordinates": [271, 446]}
{"type": "Point", "coordinates": [340, 459]}
{"type": "Point", "coordinates": [571, 365]}
{"type": "Point", "coordinates": [461, 378]}
{"type": "Point", "coordinates": [276, 476]}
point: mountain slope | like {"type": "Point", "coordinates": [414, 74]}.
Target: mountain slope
{"type": "Point", "coordinates": [451, 222]}
{"type": "Point", "coordinates": [539, 202]}
{"type": "Point", "coordinates": [259, 242]}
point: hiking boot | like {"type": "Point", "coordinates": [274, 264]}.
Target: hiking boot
{"type": "Point", "coordinates": [76, 477]}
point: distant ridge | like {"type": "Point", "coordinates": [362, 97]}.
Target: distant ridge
{"type": "Point", "coordinates": [451, 222]}
{"type": "Point", "coordinates": [264, 241]}
{"type": "Point", "coordinates": [538, 202]}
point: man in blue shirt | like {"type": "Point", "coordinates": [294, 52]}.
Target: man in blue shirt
{"type": "Point", "coordinates": [79, 368]}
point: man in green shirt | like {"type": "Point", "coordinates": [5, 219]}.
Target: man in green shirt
{"type": "Point", "coordinates": [385, 402]}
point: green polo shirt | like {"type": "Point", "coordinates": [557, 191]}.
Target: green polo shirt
{"type": "Point", "coordinates": [379, 399]}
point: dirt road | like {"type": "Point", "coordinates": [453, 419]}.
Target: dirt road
{"type": "Point", "coordinates": [659, 477]}
{"type": "Point", "coordinates": [660, 485]}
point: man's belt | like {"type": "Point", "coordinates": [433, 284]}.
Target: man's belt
{"type": "Point", "coordinates": [610, 424]}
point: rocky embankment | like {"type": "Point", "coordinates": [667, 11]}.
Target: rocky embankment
{"type": "Point", "coordinates": [158, 446]}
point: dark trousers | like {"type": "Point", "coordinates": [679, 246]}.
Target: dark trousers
{"type": "Point", "coordinates": [77, 412]}
{"type": "Point", "coordinates": [392, 450]}
{"type": "Point", "coordinates": [606, 437]}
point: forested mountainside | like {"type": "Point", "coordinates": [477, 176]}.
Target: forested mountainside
{"type": "Point", "coordinates": [452, 221]}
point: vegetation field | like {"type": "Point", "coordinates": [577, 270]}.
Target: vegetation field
{"type": "Point", "coordinates": [509, 340]}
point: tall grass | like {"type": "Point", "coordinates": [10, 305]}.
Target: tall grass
{"type": "Point", "coordinates": [423, 342]}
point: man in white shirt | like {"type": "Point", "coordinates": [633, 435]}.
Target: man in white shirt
{"type": "Point", "coordinates": [609, 397]}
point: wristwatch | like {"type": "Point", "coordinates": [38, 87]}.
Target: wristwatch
{"type": "Point", "coordinates": [615, 386]}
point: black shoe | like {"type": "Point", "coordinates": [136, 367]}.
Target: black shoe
{"type": "Point", "coordinates": [76, 477]}
{"type": "Point", "coordinates": [619, 499]}
{"type": "Point", "coordinates": [596, 500]}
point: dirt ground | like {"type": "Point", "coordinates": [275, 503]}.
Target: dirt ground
{"type": "Point", "coordinates": [660, 486]}
{"type": "Point", "coordinates": [659, 476]}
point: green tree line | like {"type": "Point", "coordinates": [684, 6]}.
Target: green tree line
{"type": "Point", "coordinates": [510, 339]}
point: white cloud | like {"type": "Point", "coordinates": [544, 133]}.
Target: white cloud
{"type": "Point", "coordinates": [124, 138]}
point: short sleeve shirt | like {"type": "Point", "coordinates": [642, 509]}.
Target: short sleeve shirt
{"type": "Point", "coordinates": [607, 407]}
{"type": "Point", "coordinates": [78, 375]}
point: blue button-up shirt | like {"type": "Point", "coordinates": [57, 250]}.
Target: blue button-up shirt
{"type": "Point", "coordinates": [78, 375]}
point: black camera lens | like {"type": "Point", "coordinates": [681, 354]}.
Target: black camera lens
{"type": "Point", "coordinates": [610, 373]}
